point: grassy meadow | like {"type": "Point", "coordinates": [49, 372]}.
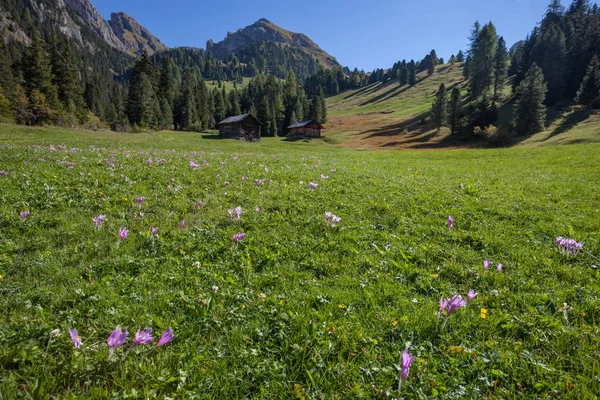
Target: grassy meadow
{"type": "Point", "coordinates": [297, 308]}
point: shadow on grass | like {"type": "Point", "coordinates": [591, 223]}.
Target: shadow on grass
{"type": "Point", "coordinates": [570, 122]}
{"type": "Point", "coordinates": [414, 126]}
{"type": "Point", "coordinates": [364, 91]}
{"type": "Point", "coordinates": [212, 136]}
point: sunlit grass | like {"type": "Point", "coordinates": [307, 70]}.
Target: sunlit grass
{"type": "Point", "coordinates": [297, 308]}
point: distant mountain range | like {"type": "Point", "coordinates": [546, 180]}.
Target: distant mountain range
{"type": "Point", "coordinates": [265, 31]}
{"type": "Point", "coordinates": [124, 33]}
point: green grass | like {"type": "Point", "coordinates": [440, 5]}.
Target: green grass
{"type": "Point", "coordinates": [399, 101]}
{"type": "Point", "coordinates": [301, 310]}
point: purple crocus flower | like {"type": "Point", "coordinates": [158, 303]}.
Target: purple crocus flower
{"type": "Point", "coordinates": [500, 267]}
{"type": "Point", "coordinates": [24, 214]}
{"type": "Point", "coordinates": [238, 213]}
{"type": "Point", "coordinates": [257, 210]}
{"type": "Point", "coordinates": [143, 337]}
{"type": "Point", "coordinates": [165, 338]}
{"type": "Point", "coordinates": [116, 339]}
{"type": "Point", "coordinates": [471, 295]}
{"type": "Point", "coordinates": [568, 246]}
{"type": "Point", "coordinates": [75, 337]}
{"type": "Point", "coordinates": [312, 186]}
{"type": "Point", "coordinates": [450, 222]}
{"type": "Point", "coordinates": [238, 238]}
{"type": "Point", "coordinates": [123, 232]}
{"type": "Point", "coordinates": [140, 200]}
{"type": "Point", "coordinates": [181, 224]}
{"type": "Point", "coordinates": [455, 302]}
{"type": "Point", "coordinates": [407, 360]}
{"type": "Point", "coordinates": [99, 220]}
{"type": "Point", "coordinates": [154, 232]}
{"type": "Point", "coordinates": [230, 212]}
{"type": "Point", "coordinates": [443, 304]}
{"type": "Point", "coordinates": [328, 216]}
{"type": "Point", "coordinates": [486, 264]}
{"type": "Point", "coordinates": [226, 183]}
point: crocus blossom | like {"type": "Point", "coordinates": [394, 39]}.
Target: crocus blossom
{"type": "Point", "coordinates": [450, 222]}
{"type": "Point", "coordinates": [312, 185]}
{"type": "Point", "coordinates": [75, 337]}
{"type": "Point", "coordinates": [123, 232]}
{"type": "Point", "coordinates": [154, 232]}
{"type": "Point", "coordinates": [165, 338]}
{"type": "Point", "coordinates": [238, 238]}
{"type": "Point", "coordinates": [471, 295]}
{"type": "Point", "coordinates": [116, 339]}
{"type": "Point", "coordinates": [500, 267]}
{"type": "Point", "coordinates": [407, 360]}
{"type": "Point", "coordinates": [181, 224]}
{"type": "Point", "coordinates": [568, 246]}
{"type": "Point", "coordinates": [143, 337]}
{"type": "Point", "coordinates": [99, 220]}
{"type": "Point", "coordinates": [24, 214]}
{"type": "Point", "coordinates": [486, 264]}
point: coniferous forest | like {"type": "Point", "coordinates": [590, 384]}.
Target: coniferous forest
{"type": "Point", "coordinates": [53, 79]}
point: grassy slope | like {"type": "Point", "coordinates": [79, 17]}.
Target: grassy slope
{"type": "Point", "coordinates": [383, 116]}
{"type": "Point", "coordinates": [301, 310]}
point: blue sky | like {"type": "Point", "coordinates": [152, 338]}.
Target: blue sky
{"type": "Point", "coordinates": [363, 34]}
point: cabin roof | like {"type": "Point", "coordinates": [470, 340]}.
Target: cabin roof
{"type": "Point", "coordinates": [237, 118]}
{"type": "Point", "coordinates": [302, 124]}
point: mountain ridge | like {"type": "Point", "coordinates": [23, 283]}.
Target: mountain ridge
{"type": "Point", "coordinates": [265, 30]}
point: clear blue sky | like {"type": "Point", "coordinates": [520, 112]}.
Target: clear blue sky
{"type": "Point", "coordinates": [364, 34]}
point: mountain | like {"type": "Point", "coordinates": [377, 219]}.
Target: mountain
{"type": "Point", "coordinates": [265, 31]}
{"type": "Point", "coordinates": [135, 37]}
{"type": "Point", "coordinates": [76, 19]}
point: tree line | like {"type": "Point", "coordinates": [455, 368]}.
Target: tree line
{"type": "Point", "coordinates": [556, 66]}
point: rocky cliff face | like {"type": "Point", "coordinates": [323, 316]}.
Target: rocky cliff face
{"type": "Point", "coordinates": [264, 30]}
{"type": "Point", "coordinates": [90, 17]}
{"type": "Point", "coordinates": [135, 37]}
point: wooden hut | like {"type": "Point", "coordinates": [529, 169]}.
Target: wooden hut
{"type": "Point", "coordinates": [310, 129]}
{"type": "Point", "coordinates": [242, 127]}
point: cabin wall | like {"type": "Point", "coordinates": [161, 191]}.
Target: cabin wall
{"type": "Point", "coordinates": [306, 131]}
{"type": "Point", "coordinates": [231, 131]}
{"type": "Point", "coordinates": [250, 130]}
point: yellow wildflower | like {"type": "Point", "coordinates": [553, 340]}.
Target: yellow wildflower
{"type": "Point", "coordinates": [484, 313]}
{"type": "Point", "coordinates": [395, 324]}
{"type": "Point", "coordinates": [341, 306]}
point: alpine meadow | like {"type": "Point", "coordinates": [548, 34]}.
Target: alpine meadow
{"type": "Point", "coordinates": [254, 220]}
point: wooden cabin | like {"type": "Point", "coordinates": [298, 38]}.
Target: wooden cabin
{"type": "Point", "coordinates": [241, 127]}
{"type": "Point", "coordinates": [310, 129]}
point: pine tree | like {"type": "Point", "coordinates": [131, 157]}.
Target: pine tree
{"type": "Point", "coordinates": [403, 76]}
{"type": "Point", "coordinates": [482, 52]}
{"type": "Point", "coordinates": [454, 109]}
{"type": "Point", "coordinates": [37, 74]}
{"type": "Point", "coordinates": [5, 111]}
{"type": "Point", "coordinates": [529, 110]}
{"type": "Point", "coordinates": [466, 68]}
{"type": "Point", "coordinates": [165, 82]}
{"type": "Point", "coordinates": [460, 57]}
{"type": "Point", "coordinates": [500, 68]}
{"type": "Point", "coordinates": [430, 66]}
{"type": "Point", "coordinates": [550, 53]}
{"type": "Point", "coordinates": [439, 108]}
{"type": "Point", "coordinates": [412, 78]}
{"type": "Point", "coordinates": [589, 90]}
{"type": "Point", "coordinates": [64, 73]}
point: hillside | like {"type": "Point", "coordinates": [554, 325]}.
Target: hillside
{"type": "Point", "coordinates": [387, 115]}
{"type": "Point", "coordinates": [264, 30]}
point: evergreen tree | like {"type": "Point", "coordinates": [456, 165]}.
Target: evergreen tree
{"type": "Point", "coordinates": [7, 81]}
{"type": "Point", "coordinates": [318, 107]}
{"type": "Point", "coordinates": [37, 74]}
{"type": "Point", "coordinates": [529, 110]}
{"type": "Point", "coordinates": [500, 68]}
{"type": "Point", "coordinates": [5, 111]}
{"type": "Point", "coordinates": [430, 67]}
{"type": "Point", "coordinates": [467, 68]}
{"type": "Point", "coordinates": [403, 76]}
{"type": "Point", "coordinates": [165, 84]}
{"type": "Point", "coordinates": [439, 108]}
{"type": "Point", "coordinates": [454, 109]}
{"type": "Point", "coordinates": [64, 74]}
{"type": "Point", "coordinates": [460, 57]}
{"type": "Point", "coordinates": [412, 78]}
{"type": "Point", "coordinates": [482, 52]}
{"type": "Point", "coordinates": [589, 90]}
{"type": "Point", "coordinates": [550, 53]}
